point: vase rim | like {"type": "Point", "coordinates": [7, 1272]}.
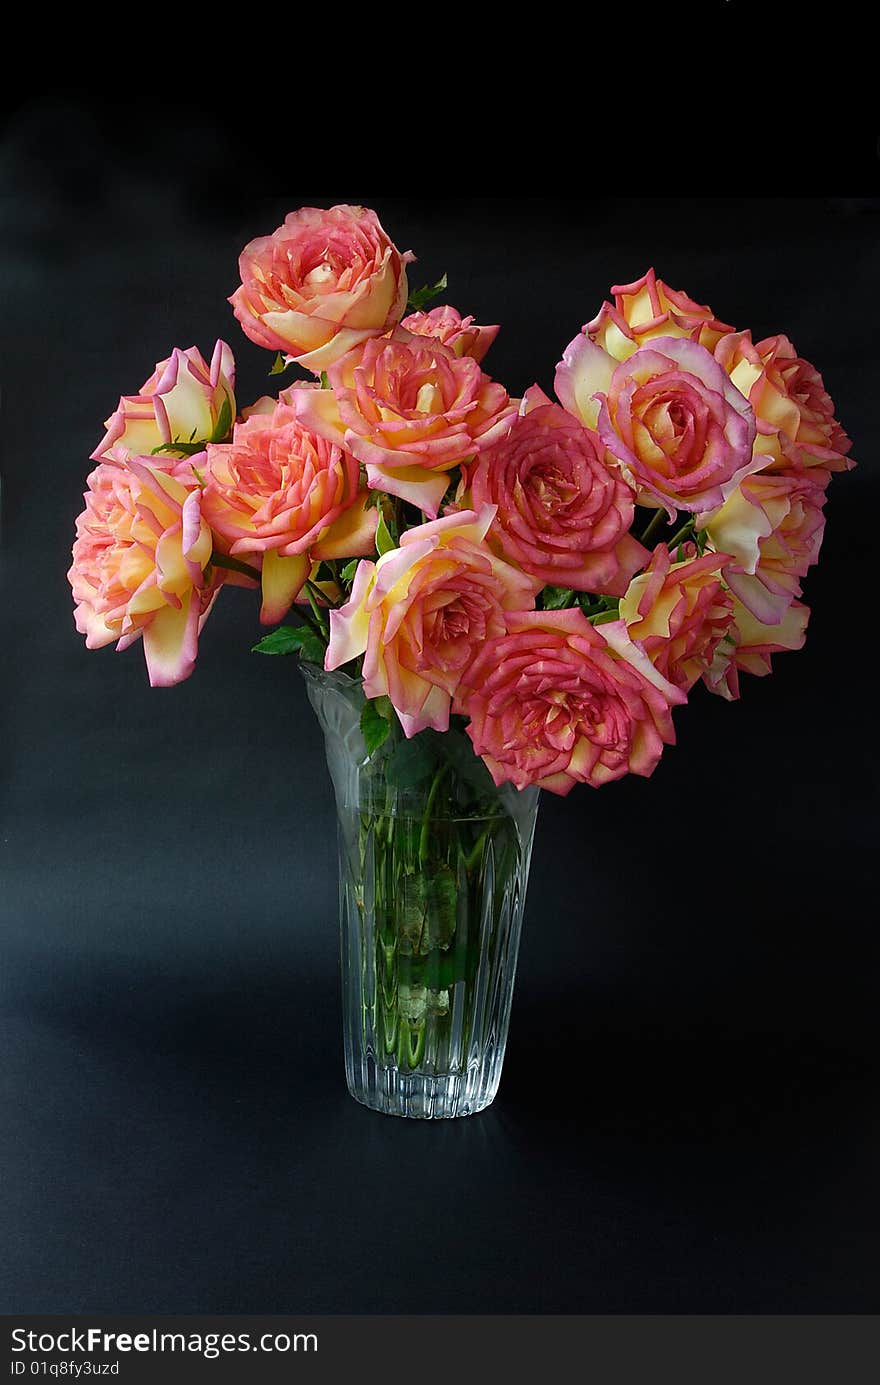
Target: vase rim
{"type": "Point", "coordinates": [323, 675]}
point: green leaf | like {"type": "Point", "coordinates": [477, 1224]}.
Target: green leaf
{"type": "Point", "coordinates": [289, 639]}
{"type": "Point", "coordinates": [384, 540]}
{"type": "Point", "coordinates": [456, 747]}
{"type": "Point", "coordinates": [409, 763]}
{"type": "Point", "coordinates": [224, 421]}
{"type": "Point", "coordinates": [375, 723]}
{"type": "Point", "coordinates": [419, 297]}
{"type": "Point", "coordinates": [411, 909]}
{"type": "Point", "coordinates": [557, 598]}
{"type": "Point", "coordinates": [442, 910]}
{"type": "Point", "coordinates": [279, 365]}
{"type": "Point", "coordinates": [188, 449]}
{"type": "Point", "coordinates": [348, 572]}
{"type": "Point", "coordinates": [325, 382]}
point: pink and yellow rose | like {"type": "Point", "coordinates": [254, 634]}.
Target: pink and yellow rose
{"type": "Point", "coordinates": [556, 702]}
{"type": "Point", "coordinates": [563, 514]}
{"type": "Point", "coordinates": [419, 613]}
{"type": "Point", "coordinates": [679, 612]}
{"type": "Point", "coordinates": [750, 643]}
{"type": "Point", "coordinates": [461, 334]}
{"type": "Point", "coordinates": [797, 430]}
{"type": "Point", "coordinates": [646, 309]}
{"type": "Point", "coordinates": [323, 282]}
{"type": "Point", "coordinates": [280, 491]}
{"type": "Point", "coordinates": [184, 401]}
{"type": "Point", "coordinates": [680, 431]}
{"type": "Point", "coordinates": [139, 566]}
{"type": "Point", "coordinates": [771, 528]}
{"type": "Point", "coordinates": [410, 410]}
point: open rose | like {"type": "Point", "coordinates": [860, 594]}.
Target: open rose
{"type": "Point", "coordinates": [797, 430]}
{"type": "Point", "coordinates": [461, 334]}
{"type": "Point", "coordinates": [419, 614]}
{"type": "Point", "coordinates": [555, 702]}
{"type": "Point", "coordinates": [410, 410]}
{"type": "Point", "coordinates": [771, 528]}
{"type": "Point", "coordinates": [184, 401]}
{"type": "Point", "coordinates": [139, 562]}
{"type": "Point", "coordinates": [679, 612]}
{"type": "Point", "coordinates": [646, 309]}
{"type": "Point", "coordinates": [749, 644]}
{"type": "Point", "coordinates": [563, 515]}
{"type": "Point", "coordinates": [680, 431]}
{"type": "Point", "coordinates": [280, 491]}
{"type": "Point", "coordinates": [320, 284]}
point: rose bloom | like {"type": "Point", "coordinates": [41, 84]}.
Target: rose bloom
{"type": "Point", "coordinates": [797, 430]}
{"type": "Point", "coordinates": [461, 334]}
{"type": "Point", "coordinates": [320, 284]}
{"type": "Point", "coordinates": [410, 410]}
{"type": "Point", "coordinates": [418, 615]}
{"type": "Point", "coordinates": [771, 528]}
{"type": "Point", "coordinates": [555, 702]}
{"type": "Point", "coordinates": [181, 402]}
{"type": "Point", "coordinates": [749, 644]}
{"type": "Point", "coordinates": [646, 309]}
{"type": "Point", "coordinates": [280, 491]}
{"type": "Point", "coordinates": [139, 566]}
{"type": "Point", "coordinates": [670, 415]}
{"type": "Point", "coordinates": [679, 612]}
{"type": "Point", "coordinates": [563, 515]}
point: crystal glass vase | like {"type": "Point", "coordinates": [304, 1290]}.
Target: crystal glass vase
{"type": "Point", "coordinates": [433, 868]}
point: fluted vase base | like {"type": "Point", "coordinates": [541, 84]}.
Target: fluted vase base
{"type": "Point", "coordinates": [423, 1096]}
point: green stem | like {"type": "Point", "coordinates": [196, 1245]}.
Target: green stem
{"type": "Point", "coordinates": [322, 624]}
{"type": "Point", "coordinates": [426, 824]}
{"type": "Point", "coordinates": [682, 534]}
{"type": "Point", "coordinates": [473, 857]}
{"type": "Point", "coordinates": [306, 619]}
{"type": "Point", "coordinates": [235, 565]}
{"type": "Point", "coordinates": [653, 522]}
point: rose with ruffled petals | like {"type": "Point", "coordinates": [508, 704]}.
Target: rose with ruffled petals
{"type": "Point", "coordinates": [461, 334]}
{"type": "Point", "coordinates": [679, 612]}
{"type": "Point", "coordinates": [419, 614]}
{"type": "Point", "coordinates": [771, 528]}
{"type": "Point", "coordinates": [139, 566]}
{"type": "Point", "coordinates": [680, 431]}
{"type": "Point", "coordinates": [410, 410]}
{"type": "Point", "coordinates": [184, 401]}
{"type": "Point", "coordinates": [646, 309]}
{"type": "Point", "coordinates": [320, 284]}
{"type": "Point", "coordinates": [748, 645]}
{"type": "Point", "coordinates": [556, 702]}
{"type": "Point", "coordinates": [797, 430]}
{"type": "Point", "coordinates": [280, 491]}
{"type": "Point", "coordinates": [563, 514]}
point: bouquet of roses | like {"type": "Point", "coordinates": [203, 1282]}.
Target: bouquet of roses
{"type": "Point", "coordinates": [557, 573]}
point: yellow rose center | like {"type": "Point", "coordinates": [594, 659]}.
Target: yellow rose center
{"type": "Point", "coordinates": [320, 276]}
{"type": "Point", "coordinates": [429, 400]}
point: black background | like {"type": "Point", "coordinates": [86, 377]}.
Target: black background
{"type": "Point", "coordinates": [688, 1115]}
